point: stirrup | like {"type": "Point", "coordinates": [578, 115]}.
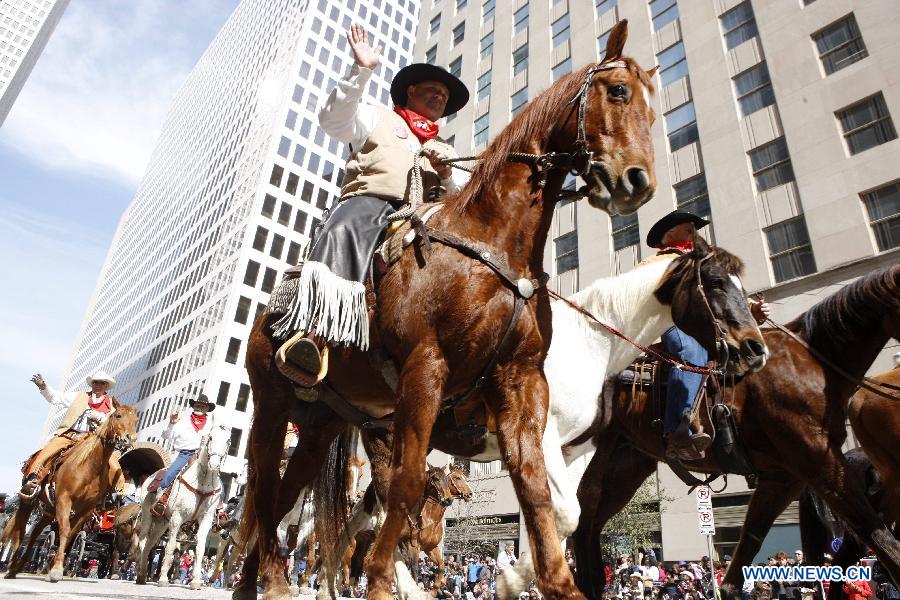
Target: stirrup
{"type": "Point", "coordinates": [300, 360]}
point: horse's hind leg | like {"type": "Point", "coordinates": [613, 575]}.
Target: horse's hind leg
{"type": "Point", "coordinates": [14, 532]}
{"type": "Point", "coordinates": [42, 523]}
{"type": "Point", "coordinates": [521, 409]}
{"type": "Point", "coordinates": [607, 485]}
{"type": "Point", "coordinates": [773, 493]}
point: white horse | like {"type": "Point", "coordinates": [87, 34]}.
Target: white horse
{"type": "Point", "coordinates": [581, 355]}
{"type": "Point", "coordinates": [194, 497]}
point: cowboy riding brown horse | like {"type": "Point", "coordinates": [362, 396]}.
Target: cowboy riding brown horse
{"type": "Point", "coordinates": [77, 486]}
{"type": "Point", "coordinates": [790, 418]}
{"type": "Point", "coordinates": [470, 311]}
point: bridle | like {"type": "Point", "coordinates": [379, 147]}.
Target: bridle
{"type": "Point", "coordinates": [721, 344]}
{"type": "Point", "coordinates": [439, 496]}
{"type": "Point", "coordinates": [453, 486]}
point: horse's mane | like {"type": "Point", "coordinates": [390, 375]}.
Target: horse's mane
{"type": "Point", "coordinates": [81, 450]}
{"type": "Point", "coordinates": [533, 124]}
{"type": "Point", "coordinates": [731, 263]}
{"type": "Point", "coordinates": [857, 307]}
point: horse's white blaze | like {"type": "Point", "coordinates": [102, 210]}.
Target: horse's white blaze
{"type": "Point", "coordinates": [737, 282]}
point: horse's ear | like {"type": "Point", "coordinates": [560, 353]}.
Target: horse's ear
{"type": "Point", "coordinates": [652, 72]}
{"type": "Point", "coordinates": [115, 402]}
{"type": "Point", "coordinates": [616, 41]}
{"type": "Point", "coordinates": [700, 245]}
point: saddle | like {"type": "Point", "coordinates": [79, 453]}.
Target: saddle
{"type": "Point", "coordinates": [709, 410]}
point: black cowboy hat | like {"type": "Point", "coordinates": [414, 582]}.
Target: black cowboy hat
{"type": "Point", "coordinates": [202, 399]}
{"type": "Point", "coordinates": [418, 72]}
{"type": "Point", "coordinates": [676, 217]}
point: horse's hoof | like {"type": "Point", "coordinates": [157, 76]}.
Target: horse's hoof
{"type": "Point", "coordinates": [54, 575]}
{"type": "Point", "coordinates": [162, 583]}
{"type": "Point", "coordinates": [244, 593]}
{"type": "Point", "coordinates": [140, 581]}
{"type": "Point", "coordinates": [114, 577]}
{"type": "Point", "coordinates": [295, 591]}
{"type": "Point", "coordinates": [9, 575]}
{"type": "Point", "coordinates": [195, 586]}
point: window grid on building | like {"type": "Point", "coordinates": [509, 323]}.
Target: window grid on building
{"type": "Point", "coordinates": [754, 89]}
{"type": "Point", "coordinates": [790, 251]}
{"type": "Point", "coordinates": [771, 165]}
{"type": "Point", "coordinates": [520, 19]}
{"type": "Point", "coordinates": [566, 252]}
{"type": "Point", "coordinates": [520, 59]}
{"type": "Point", "coordinates": [883, 208]}
{"type": "Point", "coordinates": [625, 231]}
{"type": "Point", "coordinates": [840, 45]}
{"type": "Point", "coordinates": [738, 25]}
{"type": "Point", "coordinates": [866, 124]}
{"type": "Point", "coordinates": [481, 129]}
{"type": "Point", "coordinates": [663, 12]}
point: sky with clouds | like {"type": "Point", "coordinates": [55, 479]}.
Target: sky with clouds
{"type": "Point", "coordinates": [72, 152]}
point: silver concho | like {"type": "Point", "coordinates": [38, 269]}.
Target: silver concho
{"type": "Point", "coordinates": [526, 288]}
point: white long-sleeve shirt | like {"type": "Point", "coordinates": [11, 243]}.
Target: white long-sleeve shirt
{"type": "Point", "coordinates": [183, 435]}
{"type": "Point", "coordinates": [65, 399]}
{"type": "Point", "coordinates": [347, 119]}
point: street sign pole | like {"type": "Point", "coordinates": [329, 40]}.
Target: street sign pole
{"type": "Point", "coordinates": [708, 528]}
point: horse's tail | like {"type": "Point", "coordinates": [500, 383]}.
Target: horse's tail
{"type": "Point", "coordinates": [330, 490]}
{"type": "Point", "coordinates": [246, 529]}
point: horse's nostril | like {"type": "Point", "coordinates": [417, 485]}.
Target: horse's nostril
{"type": "Point", "coordinates": [753, 348]}
{"type": "Point", "coordinates": [635, 180]}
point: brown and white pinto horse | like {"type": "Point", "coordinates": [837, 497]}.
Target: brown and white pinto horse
{"type": "Point", "coordinates": [87, 474]}
{"type": "Point", "coordinates": [447, 320]}
{"type": "Point", "coordinates": [791, 418]}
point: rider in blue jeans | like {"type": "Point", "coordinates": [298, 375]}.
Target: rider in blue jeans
{"type": "Point", "coordinates": [675, 233]}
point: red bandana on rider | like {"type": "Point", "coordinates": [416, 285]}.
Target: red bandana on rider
{"type": "Point", "coordinates": [686, 246]}
{"type": "Point", "coordinates": [198, 421]}
{"type": "Point", "coordinates": [421, 127]}
{"type": "Point", "coordinates": [102, 404]}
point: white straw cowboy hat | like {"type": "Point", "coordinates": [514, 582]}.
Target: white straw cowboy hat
{"type": "Point", "coordinates": [101, 376]}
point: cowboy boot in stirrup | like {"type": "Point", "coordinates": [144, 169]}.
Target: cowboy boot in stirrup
{"type": "Point", "coordinates": [159, 508]}
{"type": "Point", "coordinates": [684, 445]}
{"type": "Point", "coordinates": [303, 359]}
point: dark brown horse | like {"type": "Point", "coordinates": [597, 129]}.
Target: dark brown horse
{"type": "Point", "coordinates": [88, 473]}
{"type": "Point", "coordinates": [791, 417]}
{"type": "Point", "coordinates": [443, 315]}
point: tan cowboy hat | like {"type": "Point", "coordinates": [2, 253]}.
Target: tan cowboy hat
{"type": "Point", "coordinates": [101, 376]}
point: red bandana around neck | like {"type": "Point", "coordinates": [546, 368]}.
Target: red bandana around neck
{"type": "Point", "coordinates": [198, 421]}
{"type": "Point", "coordinates": [102, 404]}
{"type": "Point", "coordinates": [421, 127]}
{"type": "Point", "coordinates": [686, 246]}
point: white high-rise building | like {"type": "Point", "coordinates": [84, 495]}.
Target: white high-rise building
{"type": "Point", "coordinates": [240, 177]}
{"type": "Point", "coordinates": [25, 27]}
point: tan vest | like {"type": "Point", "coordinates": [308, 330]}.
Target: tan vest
{"type": "Point", "coordinates": [383, 166]}
{"type": "Point", "coordinates": [76, 409]}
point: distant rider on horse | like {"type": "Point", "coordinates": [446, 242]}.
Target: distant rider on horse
{"type": "Point", "coordinates": [186, 432]}
{"type": "Point", "coordinates": [329, 306]}
{"type": "Point", "coordinates": [86, 411]}
{"type": "Point", "coordinates": [675, 233]}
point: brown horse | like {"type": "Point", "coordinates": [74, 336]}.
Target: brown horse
{"type": "Point", "coordinates": [423, 534]}
{"type": "Point", "coordinates": [876, 423]}
{"type": "Point", "coordinates": [462, 313]}
{"type": "Point", "coordinates": [791, 418]}
{"type": "Point", "coordinates": [81, 482]}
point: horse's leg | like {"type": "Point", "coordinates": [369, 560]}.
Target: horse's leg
{"type": "Point", "coordinates": [521, 409]}
{"type": "Point", "coordinates": [566, 510]}
{"type": "Point", "coordinates": [438, 558]}
{"type": "Point", "coordinates": [845, 496]}
{"type": "Point", "coordinates": [772, 495]}
{"type": "Point", "coordinates": [421, 388]}
{"type": "Point", "coordinates": [15, 530]}
{"type": "Point", "coordinates": [303, 467]}
{"type": "Point", "coordinates": [202, 533]}
{"type": "Point", "coordinates": [149, 533]}
{"type": "Point", "coordinates": [43, 522]}
{"type": "Point", "coordinates": [174, 526]}
{"type": "Point", "coordinates": [63, 509]}
{"type": "Point", "coordinates": [607, 485]}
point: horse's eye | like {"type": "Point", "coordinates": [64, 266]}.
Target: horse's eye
{"type": "Point", "coordinates": [618, 91]}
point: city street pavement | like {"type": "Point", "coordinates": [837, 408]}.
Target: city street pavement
{"type": "Point", "coordinates": [32, 586]}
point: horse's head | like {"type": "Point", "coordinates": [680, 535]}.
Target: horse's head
{"type": "Point", "coordinates": [216, 447]}
{"type": "Point", "coordinates": [459, 484]}
{"type": "Point", "coordinates": [609, 128]}
{"type": "Point", "coordinates": [437, 485]}
{"type": "Point", "coordinates": [708, 302]}
{"type": "Point", "coordinates": [120, 428]}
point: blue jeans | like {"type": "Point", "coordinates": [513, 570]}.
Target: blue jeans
{"type": "Point", "coordinates": [175, 468]}
{"type": "Point", "coordinates": [683, 386]}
